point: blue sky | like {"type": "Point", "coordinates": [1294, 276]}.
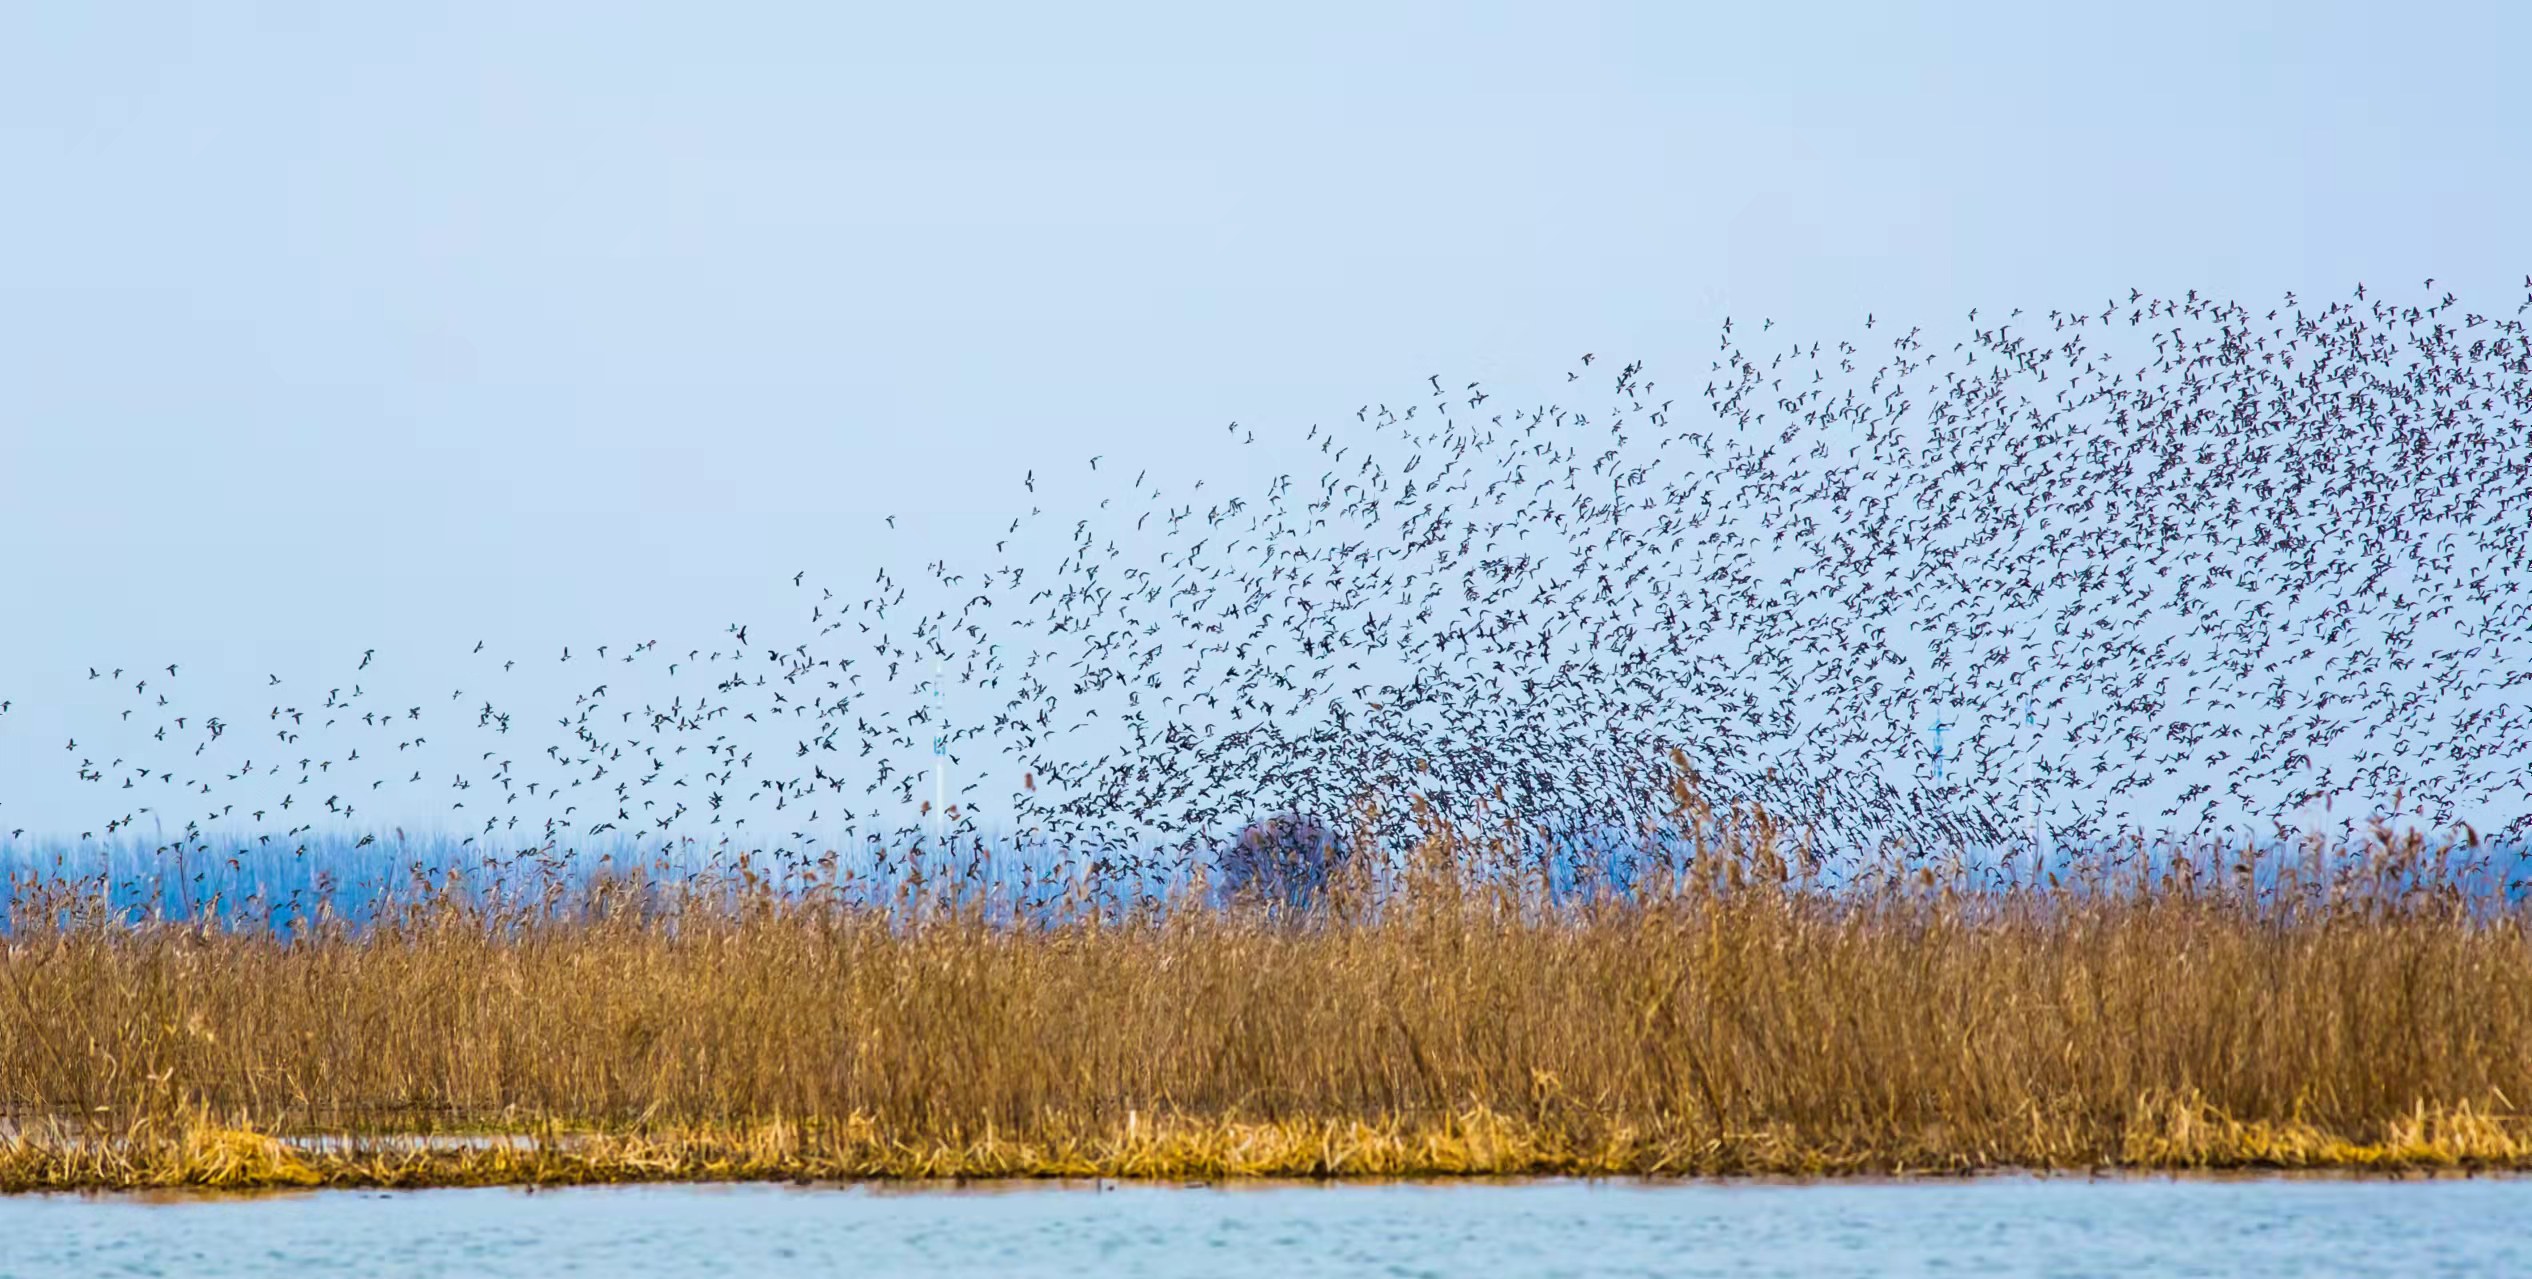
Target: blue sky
{"type": "Point", "coordinates": [325, 328]}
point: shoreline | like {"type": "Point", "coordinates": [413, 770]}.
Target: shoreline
{"type": "Point", "coordinates": [2163, 1141]}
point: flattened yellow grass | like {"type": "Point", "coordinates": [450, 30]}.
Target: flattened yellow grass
{"type": "Point", "coordinates": [2176, 1135]}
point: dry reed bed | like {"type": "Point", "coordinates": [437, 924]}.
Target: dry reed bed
{"type": "Point", "coordinates": [1728, 1018]}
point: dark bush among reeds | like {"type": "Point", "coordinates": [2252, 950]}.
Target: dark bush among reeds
{"type": "Point", "coordinates": [1282, 861]}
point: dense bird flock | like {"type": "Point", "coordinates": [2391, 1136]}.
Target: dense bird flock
{"type": "Point", "coordinates": [2158, 566]}
{"type": "Point", "coordinates": [2161, 562]}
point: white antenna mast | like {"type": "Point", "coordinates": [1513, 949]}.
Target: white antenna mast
{"type": "Point", "coordinates": [940, 763]}
{"type": "Point", "coordinates": [2030, 794]}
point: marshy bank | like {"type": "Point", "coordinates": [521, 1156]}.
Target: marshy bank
{"type": "Point", "coordinates": [1732, 1013]}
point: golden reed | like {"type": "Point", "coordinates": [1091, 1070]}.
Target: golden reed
{"type": "Point", "coordinates": [1731, 1014]}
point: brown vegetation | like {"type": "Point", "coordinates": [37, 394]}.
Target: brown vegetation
{"type": "Point", "coordinates": [1728, 1015]}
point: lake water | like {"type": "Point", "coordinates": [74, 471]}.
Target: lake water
{"type": "Point", "coordinates": [1988, 1226]}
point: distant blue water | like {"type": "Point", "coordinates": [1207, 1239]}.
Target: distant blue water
{"type": "Point", "coordinates": [1999, 1226]}
{"type": "Point", "coordinates": [243, 883]}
